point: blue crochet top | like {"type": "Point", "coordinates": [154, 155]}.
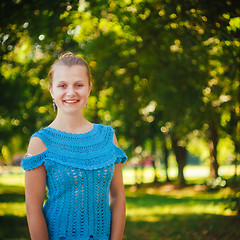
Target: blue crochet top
{"type": "Point", "coordinates": [79, 168]}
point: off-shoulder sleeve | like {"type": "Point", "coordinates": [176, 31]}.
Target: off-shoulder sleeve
{"type": "Point", "coordinates": [35, 161]}
{"type": "Point", "coordinates": [120, 155]}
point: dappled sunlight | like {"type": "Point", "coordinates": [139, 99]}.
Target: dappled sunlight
{"type": "Point", "coordinates": [12, 199]}
{"type": "Point", "coordinates": [191, 173]}
{"type": "Point", "coordinates": [15, 209]}
{"type": "Point", "coordinates": [12, 180]}
{"type": "Point", "coordinates": [151, 214]}
{"type": "Point", "coordinates": [155, 212]}
{"type": "Point", "coordinates": [150, 204]}
{"type": "Point", "coordinates": [148, 213]}
{"type": "Point", "coordinates": [167, 212]}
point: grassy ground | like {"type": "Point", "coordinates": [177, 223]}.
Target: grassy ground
{"type": "Point", "coordinates": [162, 212]}
{"type": "Point", "coordinates": [154, 212]}
{"type": "Point", "coordinates": [12, 208]}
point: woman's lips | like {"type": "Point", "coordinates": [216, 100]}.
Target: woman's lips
{"type": "Point", "coordinates": [70, 101]}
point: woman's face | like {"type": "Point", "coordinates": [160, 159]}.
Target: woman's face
{"type": "Point", "coordinates": [70, 88]}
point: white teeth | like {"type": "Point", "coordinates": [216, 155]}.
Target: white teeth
{"type": "Point", "coordinates": [71, 101]}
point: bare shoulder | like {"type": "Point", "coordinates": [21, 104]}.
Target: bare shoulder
{"type": "Point", "coordinates": [36, 146]}
{"type": "Point", "coordinates": [115, 140]}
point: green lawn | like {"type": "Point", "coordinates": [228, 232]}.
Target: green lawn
{"type": "Point", "coordinates": [153, 212]}
{"type": "Point", "coordinates": [187, 214]}
{"type": "Point", "coordinates": [12, 207]}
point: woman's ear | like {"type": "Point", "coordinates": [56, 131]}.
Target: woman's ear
{"type": "Point", "coordinates": [50, 90]}
{"type": "Point", "coordinates": [90, 88]}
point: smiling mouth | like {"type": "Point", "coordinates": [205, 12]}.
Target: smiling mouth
{"type": "Point", "coordinates": [71, 101]}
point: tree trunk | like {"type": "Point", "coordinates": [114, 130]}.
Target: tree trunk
{"type": "Point", "coordinates": [153, 153]}
{"type": "Point", "coordinates": [236, 160]}
{"type": "Point", "coordinates": [165, 159]}
{"type": "Point", "coordinates": [213, 141]}
{"type": "Point", "coordinates": [181, 158]}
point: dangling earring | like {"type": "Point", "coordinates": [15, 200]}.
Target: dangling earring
{"type": "Point", "coordinates": [54, 105]}
{"type": "Point", "coordinates": [86, 105]}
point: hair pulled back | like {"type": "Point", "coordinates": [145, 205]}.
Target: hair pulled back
{"type": "Point", "coordinates": [68, 59]}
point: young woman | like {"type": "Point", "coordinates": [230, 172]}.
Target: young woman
{"type": "Point", "coordinates": [80, 164]}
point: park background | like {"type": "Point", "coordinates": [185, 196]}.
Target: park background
{"type": "Point", "coordinates": [165, 76]}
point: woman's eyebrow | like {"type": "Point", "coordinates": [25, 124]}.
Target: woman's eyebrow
{"type": "Point", "coordinates": [61, 82]}
{"type": "Point", "coordinates": [80, 80]}
{"type": "Point", "coordinates": [76, 81]}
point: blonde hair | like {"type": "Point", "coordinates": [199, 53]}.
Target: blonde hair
{"type": "Point", "coordinates": [69, 59]}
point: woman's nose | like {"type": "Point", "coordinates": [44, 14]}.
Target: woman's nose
{"type": "Point", "coordinates": [71, 91]}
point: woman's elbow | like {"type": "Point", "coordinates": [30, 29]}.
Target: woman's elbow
{"type": "Point", "coordinates": [119, 200]}
{"type": "Point", "coordinates": [33, 208]}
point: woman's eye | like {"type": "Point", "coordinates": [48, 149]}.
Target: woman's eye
{"type": "Point", "coordinates": [79, 85]}
{"type": "Point", "coordinates": [62, 85]}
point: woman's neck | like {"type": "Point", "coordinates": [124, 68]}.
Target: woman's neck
{"type": "Point", "coordinates": [71, 123]}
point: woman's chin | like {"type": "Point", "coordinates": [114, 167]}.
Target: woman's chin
{"type": "Point", "coordinates": [71, 110]}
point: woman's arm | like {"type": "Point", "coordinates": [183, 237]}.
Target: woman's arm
{"type": "Point", "coordinates": [117, 202]}
{"type": "Point", "coordinates": [35, 187]}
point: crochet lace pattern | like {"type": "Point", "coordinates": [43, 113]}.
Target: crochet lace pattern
{"type": "Point", "coordinates": [79, 168]}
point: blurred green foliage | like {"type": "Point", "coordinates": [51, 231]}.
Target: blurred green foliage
{"type": "Point", "coordinates": [163, 72]}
